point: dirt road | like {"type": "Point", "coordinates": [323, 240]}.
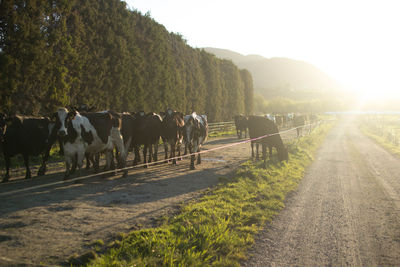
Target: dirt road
{"type": "Point", "coordinates": [346, 211]}
{"type": "Point", "coordinates": [49, 224]}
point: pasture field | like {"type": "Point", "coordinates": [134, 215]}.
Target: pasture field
{"type": "Point", "coordinates": [218, 228]}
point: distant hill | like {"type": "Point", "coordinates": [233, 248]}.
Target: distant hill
{"type": "Point", "coordinates": [282, 77]}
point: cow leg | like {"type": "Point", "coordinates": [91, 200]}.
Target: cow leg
{"type": "Point", "coordinates": [7, 175]}
{"type": "Point", "coordinates": [257, 145]}
{"type": "Point", "coordinates": [121, 152]}
{"type": "Point", "coordinates": [136, 152]}
{"type": "Point", "coordinates": [179, 151]}
{"type": "Point", "coordinates": [138, 155]}
{"type": "Point", "coordinates": [192, 157]}
{"type": "Point", "coordinates": [155, 155]}
{"type": "Point", "coordinates": [145, 155]}
{"type": "Point", "coordinates": [26, 162]}
{"type": "Point", "coordinates": [61, 146]}
{"type": "Point", "coordinates": [166, 151]}
{"type": "Point", "coordinates": [96, 162]}
{"type": "Point", "coordinates": [74, 163]}
{"type": "Point", "coordinates": [112, 161]}
{"type": "Point", "coordinates": [109, 157]}
{"type": "Point", "coordinates": [252, 149]}
{"type": "Point", "coordinates": [198, 156]}
{"type": "Point", "coordinates": [270, 152]}
{"type": "Point", "coordinates": [264, 154]}
{"type": "Point", "coordinates": [150, 152]}
{"type": "Point", "coordinates": [87, 156]}
{"type": "Point", "coordinates": [45, 157]}
{"type": "Point", "coordinates": [173, 153]}
{"type": "Point", "coordinates": [79, 162]}
{"type": "Point", "coordinates": [68, 161]}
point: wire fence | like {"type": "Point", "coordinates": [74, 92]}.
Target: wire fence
{"type": "Point", "coordinates": [306, 129]}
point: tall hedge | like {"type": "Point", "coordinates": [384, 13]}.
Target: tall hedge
{"type": "Point", "coordinates": [69, 52]}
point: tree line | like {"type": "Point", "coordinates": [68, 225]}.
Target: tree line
{"type": "Point", "coordinates": [97, 52]}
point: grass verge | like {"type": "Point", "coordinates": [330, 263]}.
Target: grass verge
{"type": "Point", "coordinates": [218, 228]}
{"type": "Point", "coordinates": [386, 144]}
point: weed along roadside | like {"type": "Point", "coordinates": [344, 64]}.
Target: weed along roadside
{"type": "Point", "coordinates": [218, 228]}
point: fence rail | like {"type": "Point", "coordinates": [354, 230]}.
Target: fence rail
{"type": "Point", "coordinates": [286, 134]}
{"type": "Point", "coordinates": [221, 126]}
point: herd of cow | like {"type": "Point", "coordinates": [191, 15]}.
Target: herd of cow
{"type": "Point", "coordinates": [86, 134]}
{"type": "Point", "coordinates": [83, 134]}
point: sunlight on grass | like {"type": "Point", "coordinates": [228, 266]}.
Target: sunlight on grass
{"type": "Point", "coordinates": [218, 228]}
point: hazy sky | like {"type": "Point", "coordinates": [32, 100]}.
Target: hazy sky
{"type": "Point", "coordinates": [355, 42]}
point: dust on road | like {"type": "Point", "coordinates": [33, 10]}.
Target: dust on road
{"type": "Point", "coordinates": [346, 211]}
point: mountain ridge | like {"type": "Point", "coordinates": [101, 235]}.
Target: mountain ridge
{"type": "Point", "coordinates": [280, 76]}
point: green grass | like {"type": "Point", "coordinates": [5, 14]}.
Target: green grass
{"type": "Point", "coordinates": [218, 228]}
{"type": "Point", "coordinates": [214, 134]}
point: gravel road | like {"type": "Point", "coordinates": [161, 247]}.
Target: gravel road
{"type": "Point", "coordinates": [346, 211]}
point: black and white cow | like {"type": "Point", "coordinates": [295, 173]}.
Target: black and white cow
{"type": "Point", "coordinates": [196, 132]}
{"type": "Point", "coordinates": [29, 136]}
{"type": "Point", "coordinates": [118, 121]}
{"type": "Point", "coordinates": [172, 132]}
{"type": "Point", "coordinates": [88, 133]}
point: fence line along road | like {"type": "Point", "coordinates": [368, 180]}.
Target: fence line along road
{"type": "Point", "coordinates": [213, 128]}
{"type": "Point", "coordinates": [80, 178]}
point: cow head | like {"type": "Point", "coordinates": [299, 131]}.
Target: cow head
{"type": "Point", "coordinates": [62, 118]}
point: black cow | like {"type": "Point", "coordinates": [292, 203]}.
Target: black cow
{"type": "Point", "coordinates": [172, 132]}
{"type": "Point", "coordinates": [196, 132]}
{"type": "Point", "coordinates": [147, 132]}
{"type": "Point", "coordinates": [241, 125]}
{"type": "Point", "coordinates": [89, 133]}
{"type": "Point", "coordinates": [260, 126]}
{"type": "Point", "coordinates": [29, 136]}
